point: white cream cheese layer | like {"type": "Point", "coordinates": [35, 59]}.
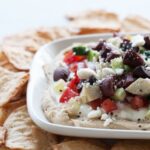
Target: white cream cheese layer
{"type": "Point", "coordinates": [130, 114]}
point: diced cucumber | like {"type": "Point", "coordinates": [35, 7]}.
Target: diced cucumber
{"type": "Point", "coordinates": [59, 86]}
{"type": "Point", "coordinates": [80, 50]}
{"type": "Point", "coordinates": [120, 94]}
{"type": "Point", "coordinates": [117, 63]}
{"type": "Point", "coordinates": [92, 54]}
{"type": "Point", "coordinates": [147, 115]}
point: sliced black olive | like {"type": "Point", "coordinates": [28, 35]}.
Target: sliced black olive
{"type": "Point", "coordinates": [107, 87]}
{"type": "Point", "coordinates": [105, 50]}
{"type": "Point", "coordinates": [111, 56]}
{"type": "Point", "coordinates": [147, 42]}
{"type": "Point", "coordinates": [132, 59]}
{"type": "Point", "coordinates": [128, 79]}
{"type": "Point", "coordinates": [124, 80]}
{"type": "Point", "coordinates": [142, 72]}
{"type": "Point", "coordinates": [126, 45]}
{"type": "Point", "coordinates": [99, 46]}
{"type": "Point", "coordinates": [61, 73]}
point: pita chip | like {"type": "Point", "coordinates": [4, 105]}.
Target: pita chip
{"type": "Point", "coordinates": [135, 23]}
{"type": "Point", "coordinates": [2, 135]}
{"type": "Point", "coordinates": [18, 57]}
{"type": "Point", "coordinates": [11, 85]}
{"type": "Point", "coordinates": [132, 145]}
{"type": "Point", "coordinates": [23, 134]}
{"type": "Point", "coordinates": [95, 21]}
{"type": "Point", "coordinates": [77, 144]}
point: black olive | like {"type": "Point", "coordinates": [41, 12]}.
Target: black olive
{"type": "Point", "coordinates": [107, 87]}
{"type": "Point", "coordinates": [147, 42]}
{"type": "Point", "coordinates": [128, 79]}
{"type": "Point", "coordinates": [132, 59]}
{"type": "Point", "coordinates": [126, 45]}
{"type": "Point", "coordinates": [124, 80]}
{"type": "Point", "coordinates": [142, 72]}
{"type": "Point", "coordinates": [105, 51]}
{"type": "Point", "coordinates": [111, 56]}
{"type": "Point", "coordinates": [61, 73]}
{"type": "Point", "coordinates": [99, 46]}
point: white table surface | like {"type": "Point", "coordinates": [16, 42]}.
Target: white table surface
{"type": "Point", "coordinates": [18, 15]}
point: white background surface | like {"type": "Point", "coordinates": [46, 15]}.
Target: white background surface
{"type": "Point", "coordinates": [17, 15]}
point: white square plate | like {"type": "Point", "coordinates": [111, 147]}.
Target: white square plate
{"type": "Point", "coordinates": [37, 85]}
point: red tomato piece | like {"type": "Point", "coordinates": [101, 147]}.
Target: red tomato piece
{"type": "Point", "coordinates": [96, 103]}
{"type": "Point", "coordinates": [67, 94]}
{"type": "Point", "coordinates": [108, 105]}
{"type": "Point", "coordinates": [70, 57]}
{"type": "Point", "coordinates": [138, 102]}
{"type": "Point", "coordinates": [73, 67]}
{"type": "Point", "coordinates": [73, 83]}
{"type": "Point", "coordinates": [78, 58]}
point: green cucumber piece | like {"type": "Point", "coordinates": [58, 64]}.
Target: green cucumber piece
{"type": "Point", "coordinates": [117, 63]}
{"type": "Point", "coordinates": [120, 94]}
{"type": "Point", "coordinates": [92, 54]}
{"type": "Point", "coordinates": [147, 115]}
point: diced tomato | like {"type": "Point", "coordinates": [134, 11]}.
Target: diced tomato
{"type": "Point", "coordinates": [108, 105]}
{"type": "Point", "coordinates": [96, 103]}
{"type": "Point", "coordinates": [78, 58]}
{"type": "Point", "coordinates": [70, 57]}
{"type": "Point", "coordinates": [73, 83]}
{"type": "Point", "coordinates": [73, 67]}
{"type": "Point", "coordinates": [138, 102]}
{"type": "Point", "coordinates": [77, 65]}
{"type": "Point", "coordinates": [67, 94]}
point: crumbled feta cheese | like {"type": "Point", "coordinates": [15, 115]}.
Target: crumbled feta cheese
{"type": "Point", "coordinates": [107, 122]}
{"type": "Point", "coordinates": [116, 41]}
{"type": "Point", "coordinates": [119, 71]}
{"type": "Point", "coordinates": [104, 117]}
{"type": "Point", "coordinates": [84, 110]}
{"type": "Point", "coordinates": [85, 73]}
{"type": "Point", "coordinates": [107, 72]}
{"type": "Point", "coordinates": [94, 114]}
{"type": "Point", "coordinates": [148, 68]}
{"type": "Point", "coordinates": [137, 40]}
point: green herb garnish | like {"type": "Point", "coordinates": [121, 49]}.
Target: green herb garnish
{"type": "Point", "coordinates": [80, 50]}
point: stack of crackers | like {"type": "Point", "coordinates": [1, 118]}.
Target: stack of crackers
{"type": "Point", "coordinates": [17, 130]}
